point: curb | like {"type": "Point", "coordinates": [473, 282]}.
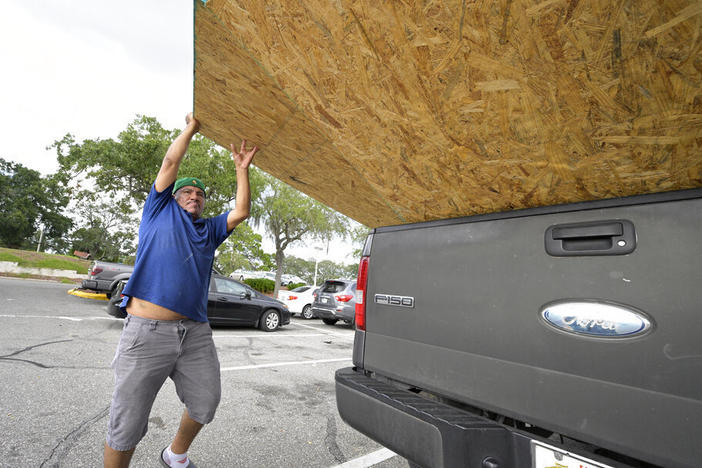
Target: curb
{"type": "Point", "coordinates": [88, 295]}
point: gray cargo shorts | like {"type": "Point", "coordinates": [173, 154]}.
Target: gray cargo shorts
{"type": "Point", "coordinates": [149, 351]}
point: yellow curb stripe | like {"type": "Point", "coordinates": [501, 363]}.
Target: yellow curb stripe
{"type": "Point", "coordinates": [79, 293]}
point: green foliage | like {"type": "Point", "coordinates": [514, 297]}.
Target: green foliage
{"type": "Point", "coordinates": [290, 216]}
{"type": "Point", "coordinates": [32, 259]}
{"type": "Point", "coordinates": [112, 178]}
{"type": "Point", "coordinates": [263, 285]}
{"type": "Point", "coordinates": [299, 267]}
{"type": "Point", "coordinates": [358, 234]}
{"type": "Point", "coordinates": [8, 257]}
{"type": "Point", "coordinates": [106, 228]}
{"type": "Point", "coordinates": [129, 165]}
{"type": "Point", "coordinates": [30, 201]}
{"type": "Point", "coordinates": [242, 250]}
{"type": "Point", "coordinates": [295, 285]}
{"type": "Point", "coordinates": [330, 270]}
{"type": "Point", "coordinates": [58, 263]}
{"type": "Point", "coordinates": [326, 269]}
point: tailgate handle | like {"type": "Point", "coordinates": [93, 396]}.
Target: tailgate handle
{"type": "Point", "coordinates": [609, 237]}
{"type": "Point", "coordinates": [596, 230]}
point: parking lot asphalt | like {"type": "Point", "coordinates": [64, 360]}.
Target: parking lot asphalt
{"type": "Point", "coordinates": [278, 406]}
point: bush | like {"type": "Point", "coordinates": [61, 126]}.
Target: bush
{"type": "Point", "coordinates": [263, 285]}
{"type": "Point", "coordinates": [295, 285]}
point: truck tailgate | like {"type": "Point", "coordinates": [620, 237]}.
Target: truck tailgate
{"type": "Point", "coordinates": [477, 332]}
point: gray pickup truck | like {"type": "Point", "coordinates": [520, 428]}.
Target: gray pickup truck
{"type": "Point", "coordinates": [107, 277]}
{"type": "Point", "coordinates": [564, 336]}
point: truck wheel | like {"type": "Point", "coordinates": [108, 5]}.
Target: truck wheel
{"type": "Point", "coordinates": [270, 320]}
{"type": "Point", "coordinates": [307, 312]}
{"type": "Point", "coordinates": [329, 321]}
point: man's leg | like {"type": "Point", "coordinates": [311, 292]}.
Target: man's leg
{"type": "Point", "coordinates": [197, 381]}
{"type": "Point", "coordinates": [187, 431]}
{"type": "Point", "coordinates": [117, 459]}
{"type": "Point", "coordinates": [146, 354]}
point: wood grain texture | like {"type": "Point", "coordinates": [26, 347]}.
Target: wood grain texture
{"type": "Point", "coordinates": [401, 111]}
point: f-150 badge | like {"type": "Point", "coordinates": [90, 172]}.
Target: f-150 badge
{"type": "Point", "coordinates": [389, 299]}
{"type": "Point", "coordinates": [596, 318]}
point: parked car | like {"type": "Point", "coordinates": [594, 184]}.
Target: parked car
{"type": "Point", "coordinates": [299, 300]}
{"type": "Point", "coordinates": [107, 277]}
{"type": "Point", "coordinates": [242, 275]}
{"type": "Point", "coordinates": [230, 302]}
{"type": "Point", "coordinates": [287, 280]}
{"type": "Point", "coordinates": [336, 301]}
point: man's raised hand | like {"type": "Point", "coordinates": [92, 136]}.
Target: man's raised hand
{"type": "Point", "coordinates": [242, 158]}
{"type": "Point", "coordinates": [190, 120]}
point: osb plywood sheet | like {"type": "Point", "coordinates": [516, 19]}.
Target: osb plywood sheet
{"type": "Point", "coordinates": [410, 110]}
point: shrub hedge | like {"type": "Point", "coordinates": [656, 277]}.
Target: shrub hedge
{"type": "Point", "coordinates": [263, 285]}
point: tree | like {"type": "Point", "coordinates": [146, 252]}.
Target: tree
{"type": "Point", "coordinates": [129, 165]}
{"type": "Point", "coordinates": [31, 202]}
{"type": "Point", "coordinates": [290, 216]}
{"type": "Point", "coordinates": [299, 267]}
{"type": "Point", "coordinates": [331, 270]}
{"type": "Point", "coordinates": [101, 228]}
{"type": "Point", "coordinates": [242, 250]}
{"type": "Point", "coordinates": [121, 172]}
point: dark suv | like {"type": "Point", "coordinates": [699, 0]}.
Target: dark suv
{"type": "Point", "coordinates": [336, 300]}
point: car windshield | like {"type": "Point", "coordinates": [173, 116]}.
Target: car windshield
{"type": "Point", "coordinates": [228, 286]}
{"type": "Point", "coordinates": [333, 287]}
{"type": "Point", "coordinates": [301, 289]}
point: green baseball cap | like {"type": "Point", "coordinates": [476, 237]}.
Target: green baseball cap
{"type": "Point", "coordinates": [192, 181]}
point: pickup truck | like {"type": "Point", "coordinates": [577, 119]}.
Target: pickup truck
{"type": "Point", "coordinates": [529, 294]}
{"type": "Point", "coordinates": [564, 336]}
{"type": "Point", "coordinates": [107, 277]}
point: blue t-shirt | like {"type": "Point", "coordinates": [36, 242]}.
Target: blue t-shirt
{"type": "Point", "coordinates": [175, 256]}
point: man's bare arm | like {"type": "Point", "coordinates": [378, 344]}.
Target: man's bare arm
{"type": "Point", "coordinates": [242, 160]}
{"type": "Point", "coordinates": [171, 162]}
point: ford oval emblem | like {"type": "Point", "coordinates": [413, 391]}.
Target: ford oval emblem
{"type": "Point", "coordinates": [596, 318]}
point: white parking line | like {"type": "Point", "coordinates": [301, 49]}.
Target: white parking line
{"type": "Point", "coordinates": [272, 335]}
{"type": "Point", "coordinates": [281, 364]}
{"type": "Point", "coordinates": [327, 332]}
{"type": "Point", "coordinates": [58, 317]}
{"type": "Point", "coordinates": [368, 460]}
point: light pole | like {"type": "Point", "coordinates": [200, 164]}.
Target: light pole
{"type": "Point", "coordinates": [316, 264]}
{"type": "Point", "coordinates": [41, 236]}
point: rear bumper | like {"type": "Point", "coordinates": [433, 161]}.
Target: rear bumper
{"type": "Point", "coordinates": [96, 285]}
{"type": "Point", "coordinates": [429, 433]}
{"type": "Point", "coordinates": [347, 314]}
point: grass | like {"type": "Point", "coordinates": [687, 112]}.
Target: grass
{"type": "Point", "coordinates": [8, 257]}
{"type": "Point", "coordinates": [30, 259]}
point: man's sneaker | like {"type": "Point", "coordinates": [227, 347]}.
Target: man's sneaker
{"type": "Point", "coordinates": [163, 456]}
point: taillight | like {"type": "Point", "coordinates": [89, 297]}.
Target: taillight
{"type": "Point", "coordinates": [344, 297]}
{"type": "Point", "coordinates": [292, 298]}
{"type": "Point", "coordinates": [361, 283]}
{"type": "Point", "coordinates": [95, 271]}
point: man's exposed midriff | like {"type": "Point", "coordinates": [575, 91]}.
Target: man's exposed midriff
{"type": "Point", "coordinates": [149, 310]}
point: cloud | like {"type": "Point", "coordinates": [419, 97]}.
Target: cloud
{"type": "Point", "coordinates": [88, 69]}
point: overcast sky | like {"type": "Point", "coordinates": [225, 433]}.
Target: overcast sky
{"type": "Point", "coordinates": [88, 68]}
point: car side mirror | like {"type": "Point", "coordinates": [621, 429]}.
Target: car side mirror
{"type": "Point", "coordinates": [245, 295]}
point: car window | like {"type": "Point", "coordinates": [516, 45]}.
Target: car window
{"type": "Point", "coordinates": [228, 286]}
{"type": "Point", "coordinates": [333, 287]}
{"type": "Point", "coordinates": [301, 289]}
